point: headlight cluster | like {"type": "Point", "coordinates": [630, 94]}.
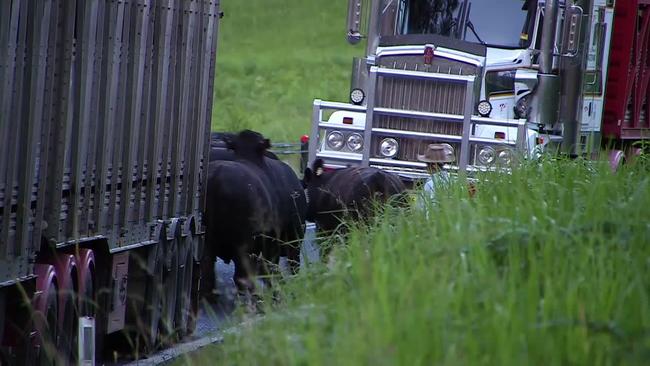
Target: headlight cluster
{"type": "Point", "coordinates": [488, 155]}
{"type": "Point", "coordinates": [388, 147]}
{"type": "Point", "coordinates": [336, 140]}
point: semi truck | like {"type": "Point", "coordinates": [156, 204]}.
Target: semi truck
{"type": "Point", "coordinates": [105, 112]}
{"type": "Point", "coordinates": [498, 80]}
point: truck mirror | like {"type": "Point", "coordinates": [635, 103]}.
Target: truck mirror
{"type": "Point", "coordinates": [572, 29]}
{"type": "Point", "coordinates": [355, 10]}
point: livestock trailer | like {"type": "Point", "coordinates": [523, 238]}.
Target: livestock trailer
{"type": "Point", "coordinates": [105, 111]}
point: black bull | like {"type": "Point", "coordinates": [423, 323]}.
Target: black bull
{"type": "Point", "coordinates": [332, 195]}
{"type": "Point", "coordinates": [255, 205]}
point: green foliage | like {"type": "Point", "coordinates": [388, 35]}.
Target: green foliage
{"type": "Point", "coordinates": [274, 58]}
{"type": "Point", "coordinates": [549, 265]}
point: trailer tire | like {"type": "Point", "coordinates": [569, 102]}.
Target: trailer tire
{"type": "Point", "coordinates": [616, 160]}
{"type": "Point", "coordinates": [153, 300]}
{"type": "Point", "coordinates": [168, 320]}
{"type": "Point", "coordinates": [43, 350]}
{"type": "Point", "coordinates": [184, 299]}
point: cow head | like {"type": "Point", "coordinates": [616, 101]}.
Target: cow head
{"type": "Point", "coordinates": [249, 144]}
{"type": "Point", "coordinates": [312, 181]}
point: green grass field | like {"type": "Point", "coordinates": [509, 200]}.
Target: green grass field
{"type": "Point", "coordinates": [274, 58]}
{"type": "Point", "coordinates": [547, 266]}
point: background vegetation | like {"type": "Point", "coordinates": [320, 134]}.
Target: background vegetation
{"type": "Point", "coordinates": [274, 58]}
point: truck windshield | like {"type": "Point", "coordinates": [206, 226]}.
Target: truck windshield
{"type": "Point", "coordinates": [498, 23]}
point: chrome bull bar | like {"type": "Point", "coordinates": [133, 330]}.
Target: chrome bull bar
{"type": "Point", "coordinates": [373, 110]}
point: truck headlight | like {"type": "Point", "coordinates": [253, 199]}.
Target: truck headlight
{"type": "Point", "coordinates": [355, 142]}
{"type": "Point", "coordinates": [335, 140]}
{"type": "Point", "coordinates": [357, 96]}
{"type": "Point", "coordinates": [486, 155]}
{"type": "Point", "coordinates": [505, 156]}
{"type": "Point", "coordinates": [388, 147]}
{"type": "Point", "coordinates": [484, 108]}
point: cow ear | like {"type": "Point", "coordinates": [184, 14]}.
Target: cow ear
{"type": "Point", "coordinates": [318, 167]}
{"type": "Point", "coordinates": [318, 164]}
{"type": "Point", "coordinates": [267, 143]}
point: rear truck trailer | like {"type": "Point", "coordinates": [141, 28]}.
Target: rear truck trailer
{"type": "Point", "coordinates": [499, 80]}
{"type": "Point", "coordinates": [105, 111]}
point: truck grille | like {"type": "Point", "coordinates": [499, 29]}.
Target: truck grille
{"type": "Point", "coordinates": [420, 95]}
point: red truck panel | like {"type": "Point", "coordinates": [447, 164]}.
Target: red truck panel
{"type": "Point", "coordinates": [626, 111]}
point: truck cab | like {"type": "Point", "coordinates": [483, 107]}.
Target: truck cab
{"type": "Point", "coordinates": [499, 80]}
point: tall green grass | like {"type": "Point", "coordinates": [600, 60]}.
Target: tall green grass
{"type": "Point", "coordinates": [549, 265]}
{"type": "Point", "coordinates": [274, 58]}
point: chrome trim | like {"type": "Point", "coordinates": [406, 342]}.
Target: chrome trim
{"type": "Point", "coordinates": [439, 52]}
{"type": "Point", "coordinates": [391, 132]}
{"type": "Point", "coordinates": [334, 166]}
{"type": "Point", "coordinates": [340, 106]}
{"type": "Point", "coordinates": [498, 122]}
{"type": "Point", "coordinates": [463, 159]}
{"type": "Point", "coordinates": [339, 155]}
{"type": "Point", "coordinates": [401, 163]}
{"type": "Point", "coordinates": [489, 141]}
{"type": "Point", "coordinates": [420, 115]}
{"type": "Point", "coordinates": [341, 127]}
{"type": "Point", "coordinates": [406, 74]}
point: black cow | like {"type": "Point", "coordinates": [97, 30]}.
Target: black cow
{"type": "Point", "coordinates": [239, 225]}
{"type": "Point", "coordinates": [251, 147]}
{"type": "Point", "coordinates": [332, 195]}
{"type": "Point", "coordinates": [241, 213]}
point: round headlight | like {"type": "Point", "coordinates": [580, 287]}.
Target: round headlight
{"type": "Point", "coordinates": [357, 96]}
{"type": "Point", "coordinates": [486, 155]}
{"type": "Point", "coordinates": [388, 147]}
{"type": "Point", "coordinates": [355, 142]}
{"type": "Point", "coordinates": [335, 140]}
{"type": "Point", "coordinates": [484, 108]}
{"type": "Point", "coordinates": [505, 156]}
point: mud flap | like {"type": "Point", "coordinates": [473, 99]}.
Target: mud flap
{"type": "Point", "coordinates": [119, 276]}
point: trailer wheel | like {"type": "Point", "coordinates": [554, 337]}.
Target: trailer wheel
{"type": "Point", "coordinates": [153, 301]}
{"type": "Point", "coordinates": [43, 350]}
{"type": "Point", "coordinates": [616, 159]}
{"type": "Point", "coordinates": [168, 326]}
{"type": "Point", "coordinates": [184, 299]}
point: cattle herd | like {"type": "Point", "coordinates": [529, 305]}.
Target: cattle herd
{"type": "Point", "coordinates": [257, 206]}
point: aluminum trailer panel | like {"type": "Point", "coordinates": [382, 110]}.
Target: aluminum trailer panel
{"type": "Point", "coordinates": [105, 110]}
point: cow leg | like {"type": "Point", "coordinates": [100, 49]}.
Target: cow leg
{"type": "Point", "coordinates": [207, 284]}
{"type": "Point", "coordinates": [293, 257]}
{"type": "Point", "coordinates": [268, 261]}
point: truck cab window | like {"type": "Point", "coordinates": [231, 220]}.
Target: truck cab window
{"type": "Point", "coordinates": [497, 23]}
{"type": "Point", "coordinates": [500, 82]}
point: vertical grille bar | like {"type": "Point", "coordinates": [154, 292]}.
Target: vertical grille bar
{"type": "Point", "coordinates": [467, 123]}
